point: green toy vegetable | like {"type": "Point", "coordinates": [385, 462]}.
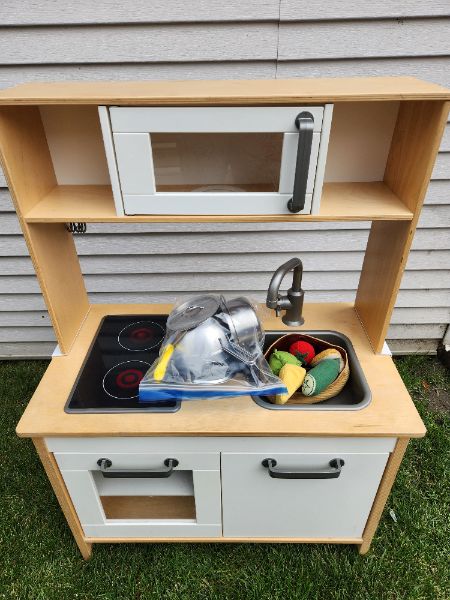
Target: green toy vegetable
{"type": "Point", "coordinates": [279, 358]}
{"type": "Point", "coordinates": [320, 377]}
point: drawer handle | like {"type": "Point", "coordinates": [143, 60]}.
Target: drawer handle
{"type": "Point", "coordinates": [105, 464]}
{"type": "Point", "coordinates": [336, 467]}
{"type": "Point", "coordinates": [305, 125]}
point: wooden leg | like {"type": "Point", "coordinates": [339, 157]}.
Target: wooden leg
{"type": "Point", "coordinates": [59, 487]}
{"type": "Point", "coordinates": [384, 489]}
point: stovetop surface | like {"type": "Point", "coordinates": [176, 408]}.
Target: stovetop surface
{"type": "Point", "coordinates": [122, 351]}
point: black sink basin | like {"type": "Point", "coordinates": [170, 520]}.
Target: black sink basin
{"type": "Point", "coordinates": [356, 393]}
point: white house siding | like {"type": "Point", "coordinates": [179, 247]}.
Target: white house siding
{"type": "Point", "coordinates": [210, 39]}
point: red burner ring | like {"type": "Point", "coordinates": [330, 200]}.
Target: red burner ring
{"type": "Point", "coordinates": [129, 379]}
{"type": "Point", "coordinates": [142, 334]}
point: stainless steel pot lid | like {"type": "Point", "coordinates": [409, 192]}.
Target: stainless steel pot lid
{"type": "Point", "coordinates": [192, 313]}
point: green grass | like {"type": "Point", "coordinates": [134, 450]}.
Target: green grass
{"type": "Point", "coordinates": [408, 560]}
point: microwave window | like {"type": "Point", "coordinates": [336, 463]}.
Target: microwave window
{"type": "Point", "coordinates": [217, 162]}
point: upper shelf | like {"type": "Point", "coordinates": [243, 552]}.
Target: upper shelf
{"type": "Point", "coordinates": [227, 93]}
{"type": "Point", "coordinates": [340, 202]}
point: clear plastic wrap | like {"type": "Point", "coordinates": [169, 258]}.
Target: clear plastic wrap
{"type": "Point", "coordinates": [212, 348]}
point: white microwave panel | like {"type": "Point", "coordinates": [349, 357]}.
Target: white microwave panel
{"type": "Point", "coordinates": [215, 161]}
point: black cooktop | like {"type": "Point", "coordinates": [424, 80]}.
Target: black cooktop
{"type": "Point", "coordinates": [122, 351]}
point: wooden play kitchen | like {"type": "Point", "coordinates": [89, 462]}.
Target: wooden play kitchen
{"type": "Point", "coordinates": [211, 151]}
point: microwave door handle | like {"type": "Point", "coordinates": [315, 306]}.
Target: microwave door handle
{"type": "Point", "coordinates": [305, 125]}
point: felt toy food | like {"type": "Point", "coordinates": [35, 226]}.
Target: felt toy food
{"type": "Point", "coordinates": [279, 358]}
{"type": "Point", "coordinates": [292, 376]}
{"type": "Point", "coordinates": [320, 377]}
{"type": "Point", "coordinates": [329, 353]}
{"type": "Point", "coordinates": [303, 351]}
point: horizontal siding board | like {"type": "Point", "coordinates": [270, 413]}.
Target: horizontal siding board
{"type": "Point", "coordinates": [322, 280]}
{"type": "Point", "coordinates": [223, 42]}
{"type": "Point", "coordinates": [413, 331]}
{"type": "Point", "coordinates": [348, 39]}
{"type": "Point", "coordinates": [442, 165]}
{"type": "Point", "coordinates": [400, 316]}
{"type": "Point", "coordinates": [434, 69]}
{"type": "Point", "coordinates": [46, 334]}
{"type": "Point", "coordinates": [6, 204]}
{"type": "Point", "coordinates": [400, 347]}
{"type": "Point", "coordinates": [16, 74]}
{"type": "Point", "coordinates": [438, 192]}
{"type": "Point", "coordinates": [49, 12]}
{"type": "Point", "coordinates": [421, 317]}
{"type": "Point", "coordinates": [430, 68]}
{"type": "Point", "coordinates": [237, 263]}
{"type": "Point", "coordinates": [67, 12]}
{"type": "Point", "coordinates": [406, 298]}
{"type": "Point", "coordinates": [139, 43]}
{"type": "Point", "coordinates": [252, 242]}
{"type": "Point", "coordinates": [26, 334]}
{"type": "Point", "coordinates": [24, 318]}
{"type": "Point", "coordinates": [435, 216]}
{"type": "Point", "coordinates": [292, 10]}
{"type": "Point", "coordinates": [28, 350]}
{"type": "Point", "coordinates": [445, 145]}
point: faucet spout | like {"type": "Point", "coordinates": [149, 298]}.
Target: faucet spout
{"type": "Point", "coordinates": [292, 303]}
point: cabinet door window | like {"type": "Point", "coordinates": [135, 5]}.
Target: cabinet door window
{"type": "Point", "coordinates": [215, 162]}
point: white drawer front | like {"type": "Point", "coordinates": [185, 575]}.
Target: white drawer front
{"type": "Point", "coordinates": [257, 505]}
{"type": "Point", "coordinates": [187, 503]}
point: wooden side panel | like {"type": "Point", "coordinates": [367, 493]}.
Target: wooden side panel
{"type": "Point", "coordinates": [28, 166]}
{"type": "Point", "coordinates": [414, 147]}
{"type": "Point", "coordinates": [25, 156]}
{"type": "Point", "coordinates": [386, 484]}
{"type": "Point", "coordinates": [58, 485]}
{"type": "Point", "coordinates": [61, 281]}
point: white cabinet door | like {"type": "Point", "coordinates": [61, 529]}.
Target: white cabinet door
{"type": "Point", "coordinates": [212, 160]}
{"type": "Point", "coordinates": [187, 503]}
{"type": "Point", "coordinates": [257, 505]}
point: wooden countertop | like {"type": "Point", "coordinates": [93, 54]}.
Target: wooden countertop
{"type": "Point", "coordinates": [391, 412]}
{"type": "Point", "coordinates": [225, 93]}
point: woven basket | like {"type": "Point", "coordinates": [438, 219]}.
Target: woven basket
{"type": "Point", "coordinates": [285, 341]}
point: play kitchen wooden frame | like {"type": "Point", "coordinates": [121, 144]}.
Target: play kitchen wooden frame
{"type": "Point", "coordinates": [238, 472]}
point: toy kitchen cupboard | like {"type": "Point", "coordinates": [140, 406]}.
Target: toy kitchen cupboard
{"type": "Point", "coordinates": [261, 151]}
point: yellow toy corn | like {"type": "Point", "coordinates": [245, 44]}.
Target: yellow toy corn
{"type": "Point", "coordinates": [292, 376]}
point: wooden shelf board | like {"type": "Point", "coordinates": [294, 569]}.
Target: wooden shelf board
{"type": "Point", "coordinates": [391, 412]}
{"type": "Point", "coordinates": [366, 201]}
{"type": "Point", "coordinates": [226, 93]}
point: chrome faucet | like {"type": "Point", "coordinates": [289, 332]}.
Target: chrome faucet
{"type": "Point", "coordinates": [292, 303]}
